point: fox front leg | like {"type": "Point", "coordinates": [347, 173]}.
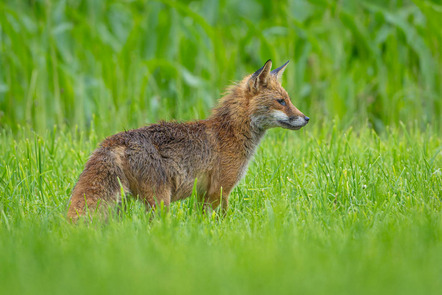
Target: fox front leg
{"type": "Point", "coordinates": [155, 199]}
{"type": "Point", "coordinates": [218, 200]}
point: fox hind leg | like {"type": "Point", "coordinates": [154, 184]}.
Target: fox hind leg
{"type": "Point", "coordinates": [98, 187]}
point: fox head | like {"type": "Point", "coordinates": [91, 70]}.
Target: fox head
{"type": "Point", "coordinates": [269, 104]}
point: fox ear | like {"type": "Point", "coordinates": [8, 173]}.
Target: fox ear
{"type": "Point", "coordinates": [261, 76]}
{"type": "Point", "coordinates": [279, 71]}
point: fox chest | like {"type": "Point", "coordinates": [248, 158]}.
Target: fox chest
{"type": "Point", "coordinates": [242, 171]}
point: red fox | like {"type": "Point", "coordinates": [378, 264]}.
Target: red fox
{"type": "Point", "coordinates": [159, 163]}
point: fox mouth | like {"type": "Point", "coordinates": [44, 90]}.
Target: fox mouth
{"type": "Point", "coordinates": [287, 125]}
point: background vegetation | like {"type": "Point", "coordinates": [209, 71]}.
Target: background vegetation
{"type": "Point", "coordinates": [130, 63]}
{"type": "Point", "coordinates": [351, 204]}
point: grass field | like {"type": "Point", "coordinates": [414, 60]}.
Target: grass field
{"type": "Point", "coordinates": [351, 204]}
{"type": "Point", "coordinates": [320, 211]}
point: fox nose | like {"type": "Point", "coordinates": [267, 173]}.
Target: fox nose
{"type": "Point", "coordinates": [306, 118]}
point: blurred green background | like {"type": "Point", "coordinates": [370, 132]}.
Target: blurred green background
{"type": "Point", "coordinates": [122, 64]}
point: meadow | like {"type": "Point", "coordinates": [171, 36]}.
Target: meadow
{"type": "Point", "coordinates": [350, 204]}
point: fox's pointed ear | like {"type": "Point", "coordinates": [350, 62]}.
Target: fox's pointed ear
{"type": "Point", "coordinates": [279, 71]}
{"type": "Point", "coordinates": [261, 77]}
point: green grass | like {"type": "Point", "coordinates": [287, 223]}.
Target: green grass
{"type": "Point", "coordinates": [320, 211]}
{"type": "Point", "coordinates": [351, 204]}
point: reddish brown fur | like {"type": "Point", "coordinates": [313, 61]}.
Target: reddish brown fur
{"type": "Point", "coordinates": [160, 162]}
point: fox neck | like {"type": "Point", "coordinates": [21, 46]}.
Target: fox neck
{"type": "Point", "coordinates": [233, 125]}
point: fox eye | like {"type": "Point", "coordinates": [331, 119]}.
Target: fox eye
{"type": "Point", "coordinates": [282, 102]}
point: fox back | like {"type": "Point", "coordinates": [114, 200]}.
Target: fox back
{"type": "Point", "coordinates": [160, 163]}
